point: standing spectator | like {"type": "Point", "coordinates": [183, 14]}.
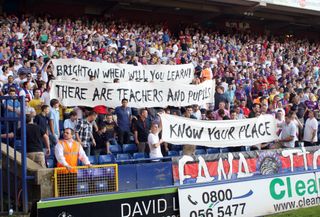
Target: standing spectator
{"type": "Point", "coordinates": [34, 144]}
{"type": "Point", "coordinates": [71, 121]}
{"type": "Point", "coordinates": [230, 95]}
{"type": "Point", "coordinates": [45, 95]}
{"type": "Point", "coordinates": [154, 141]}
{"type": "Point", "coordinates": [288, 132]}
{"type": "Point", "coordinates": [124, 118]}
{"type": "Point", "coordinates": [255, 110]}
{"type": "Point", "coordinates": [36, 102]}
{"type": "Point", "coordinates": [42, 119]}
{"type": "Point", "coordinates": [219, 96]}
{"type": "Point", "coordinates": [26, 90]}
{"type": "Point", "coordinates": [68, 152]}
{"type": "Point", "coordinates": [11, 108]}
{"type": "Point", "coordinates": [110, 129]}
{"type": "Point", "coordinates": [102, 144]}
{"type": "Point", "coordinates": [310, 136]}
{"type": "Point", "coordinates": [84, 132]}
{"type": "Point", "coordinates": [29, 110]}
{"type": "Point", "coordinates": [6, 87]}
{"type": "Point", "coordinates": [222, 107]}
{"type": "Point", "coordinates": [196, 112]}
{"type": "Point", "coordinates": [188, 113]}
{"type": "Point", "coordinates": [54, 120]}
{"type": "Point", "coordinates": [141, 130]}
{"type": "Point", "coordinates": [101, 111]}
{"type": "Point", "coordinates": [206, 73]}
{"type": "Point", "coordinates": [244, 108]}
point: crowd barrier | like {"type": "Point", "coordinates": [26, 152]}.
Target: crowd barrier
{"type": "Point", "coordinates": [85, 180]}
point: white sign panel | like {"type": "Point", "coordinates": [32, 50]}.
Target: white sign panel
{"type": "Point", "coordinates": [250, 198]}
{"type": "Point", "coordinates": [68, 69]}
{"type": "Point", "coordinates": [252, 131]}
{"type": "Point", "coordinates": [301, 4]}
{"type": "Point", "coordinates": [139, 95]}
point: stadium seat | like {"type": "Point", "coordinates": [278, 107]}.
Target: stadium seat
{"type": "Point", "coordinates": [124, 156]}
{"type": "Point", "coordinates": [115, 149]}
{"type": "Point", "coordinates": [82, 187]}
{"type": "Point", "coordinates": [61, 127]}
{"type": "Point", "coordinates": [50, 163]}
{"type": "Point", "coordinates": [224, 150]}
{"type": "Point", "coordinates": [17, 145]}
{"type": "Point", "coordinates": [181, 152]}
{"type": "Point", "coordinates": [51, 156]}
{"type": "Point", "coordinates": [101, 186]}
{"type": "Point", "coordinates": [213, 150]}
{"type": "Point", "coordinates": [129, 148]}
{"type": "Point", "coordinates": [176, 147]}
{"type": "Point", "coordinates": [200, 152]}
{"type": "Point", "coordinates": [106, 159]}
{"type": "Point", "coordinates": [173, 153]}
{"type": "Point", "coordinates": [93, 160]}
{"type": "Point", "coordinates": [139, 155]}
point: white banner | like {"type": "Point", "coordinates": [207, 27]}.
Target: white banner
{"type": "Point", "coordinates": [250, 198]}
{"type": "Point", "coordinates": [180, 130]}
{"type": "Point", "coordinates": [68, 69]}
{"type": "Point", "coordinates": [77, 93]}
{"type": "Point", "coordinates": [301, 4]}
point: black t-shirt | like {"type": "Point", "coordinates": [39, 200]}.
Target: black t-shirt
{"type": "Point", "coordinates": [42, 121]}
{"type": "Point", "coordinates": [110, 129]}
{"type": "Point", "coordinates": [143, 128]}
{"type": "Point", "coordinates": [100, 140]}
{"type": "Point", "coordinates": [34, 135]}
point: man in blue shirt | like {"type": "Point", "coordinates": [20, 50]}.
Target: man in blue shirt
{"type": "Point", "coordinates": [6, 87]}
{"type": "Point", "coordinates": [54, 119]}
{"type": "Point", "coordinates": [11, 108]}
{"type": "Point", "coordinates": [124, 117]}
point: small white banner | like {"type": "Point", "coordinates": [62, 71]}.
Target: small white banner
{"type": "Point", "coordinates": [246, 132]}
{"type": "Point", "coordinates": [68, 69]}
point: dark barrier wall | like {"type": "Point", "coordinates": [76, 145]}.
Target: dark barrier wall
{"type": "Point", "coordinates": [161, 202]}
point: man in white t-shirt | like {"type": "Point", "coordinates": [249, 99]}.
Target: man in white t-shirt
{"type": "Point", "coordinates": [154, 141]}
{"type": "Point", "coordinates": [288, 132]}
{"type": "Point", "coordinates": [310, 136]}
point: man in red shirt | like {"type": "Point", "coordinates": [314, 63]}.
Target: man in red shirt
{"type": "Point", "coordinates": [245, 110]}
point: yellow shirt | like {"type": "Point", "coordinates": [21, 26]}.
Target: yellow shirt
{"type": "Point", "coordinates": [36, 104]}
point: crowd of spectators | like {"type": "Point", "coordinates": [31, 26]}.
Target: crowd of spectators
{"type": "Point", "coordinates": [254, 75]}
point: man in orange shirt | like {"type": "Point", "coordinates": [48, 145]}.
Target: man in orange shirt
{"type": "Point", "coordinates": [206, 73]}
{"type": "Point", "coordinates": [67, 153]}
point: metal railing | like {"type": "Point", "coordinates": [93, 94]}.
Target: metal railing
{"type": "Point", "coordinates": [13, 178]}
